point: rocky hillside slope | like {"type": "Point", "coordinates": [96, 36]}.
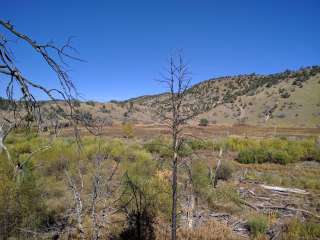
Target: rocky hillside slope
{"type": "Point", "coordinates": [292, 98]}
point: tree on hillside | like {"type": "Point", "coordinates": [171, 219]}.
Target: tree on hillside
{"type": "Point", "coordinates": [175, 113]}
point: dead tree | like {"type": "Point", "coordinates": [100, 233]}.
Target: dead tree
{"type": "Point", "coordinates": [175, 113]}
{"type": "Point", "coordinates": [19, 89]}
{"type": "Point", "coordinates": [77, 192]}
{"type": "Point", "coordinates": [97, 201]}
{"type": "Point", "coordinates": [102, 189]}
{"type": "Point", "coordinates": [190, 196]}
{"type": "Point", "coordinates": [24, 109]}
{"type": "Point", "coordinates": [216, 176]}
{"type": "Point", "coordinates": [3, 134]}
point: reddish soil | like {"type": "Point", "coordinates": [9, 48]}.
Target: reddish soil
{"type": "Point", "coordinates": [147, 131]}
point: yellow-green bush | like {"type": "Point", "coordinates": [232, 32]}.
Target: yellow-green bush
{"type": "Point", "coordinates": [141, 173]}
{"type": "Point", "coordinates": [127, 129]}
{"type": "Point", "coordinates": [280, 151]}
{"type": "Point", "coordinates": [199, 144]}
{"type": "Point", "coordinates": [200, 177]}
{"type": "Point", "coordinates": [159, 145]}
{"type": "Point", "coordinates": [21, 202]}
{"type": "Point", "coordinates": [257, 224]}
{"type": "Point", "coordinates": [295, 229]}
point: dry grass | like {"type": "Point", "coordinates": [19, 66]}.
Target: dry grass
{"type": "Point", "coordinates": [211, 230]}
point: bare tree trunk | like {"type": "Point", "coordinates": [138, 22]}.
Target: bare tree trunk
{"type": "Point", "coordinates": [215, 182]}
{"type": "Point", "coordinates": [174, 192]}
{"type": "Point", "coordinates": [95, 232]}
{"type": "Point", "coordinates": [190, 211]}
{"type": "Point", "coordinates": [78, 202]}
{"type": "Point", "coordinates": [176, 114]}
{"type": "Point", "coordinates": [2, 145]}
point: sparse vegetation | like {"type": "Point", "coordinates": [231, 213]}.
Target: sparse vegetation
{"type": "Point", "coordinates": [258, 224]}
{"type": "Point", "coordinates": [91, 103]}
{"type": "Point", "coordinates": [203, 122]}
{"type": "Point", "coordinates": [156, 166]}
{"type": "Point", "coordinates": [225, 171]}
{"type": "Point", "coordinates": [210, 231]}
{"type": "Point", "coordinates": [127, 129]}
{"type": "Point", "coordinates": [146, 169]}
{"type": "Point", "coordinates": [295, 229]}
{"type": "Point", "coordinates": [274, 150]}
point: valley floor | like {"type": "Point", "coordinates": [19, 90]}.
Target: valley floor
{"type": "Point", "coordinates": [268, 184]}
{"type": "Point", "coordinates": [151, 130]}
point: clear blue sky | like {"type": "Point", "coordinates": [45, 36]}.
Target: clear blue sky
{"type": "Point", "coordinates": [126, 43]}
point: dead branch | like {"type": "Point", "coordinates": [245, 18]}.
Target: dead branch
{"type": "Point", "coordinates": [27, 107]}
{"type": "Point", "coordinates": [78, 201]}
{"type": "Point", "coordinates": [287, 208]}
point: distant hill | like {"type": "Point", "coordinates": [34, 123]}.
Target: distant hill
{"type": "Point", "coordinates": [293, 97]}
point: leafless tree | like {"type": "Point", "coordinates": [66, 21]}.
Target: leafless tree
{"type": "Point", "coordinates": [23, 107]}
{"type": "Point", "coordinates": [19, 89]}
{"type": "Point", "coordinates": [77, 191]}
{"type": "Point", "coordinates": [190, 193]}
{"type": "Point", "coordinates": [101, 192]}
{"type": "Point", "coordinates": [101, 189]}
{"type": "Point", "coordinates": [175, 113]}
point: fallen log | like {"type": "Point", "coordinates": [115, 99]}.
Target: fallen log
{"type": "Point", "coordinates": [286, 208]}
{"type": "Point", "coordinates": [249, 204]}
{"type": "Point", "coordinates": [283, 189]}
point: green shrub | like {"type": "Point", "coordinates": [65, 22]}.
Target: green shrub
{"type": "Point", "coordinates": [200, 178]}
{"type": "Point", "coordinates": [21, 201]}
{"type": "Point", "coordinates": [257, 224]}
{"type": "Point", "coordinates": [280, 151]}
{"type": "Point", "coordinates": [127, 129]}
{"type": "Point", "coordinates": [22, 148]}
{"type": "Point", "coordinates": [91, 103]}
{"type": "Point", "coordinates": [203, 122]}
{"type": "Point", "coordinates": [199, 144]}
{"type": "Point", "coordinates": [295, 229]}
{"type": "Point", "coordinates": [142, 170]}
{"type": "Point", "coordinates": [185, 150]}
{"type": "Point", "coordinates": [253, 155]}
{"type": "Point", "coordinates": [238, 144]}
{"type": "Point", "coordinates": [160, 145]}
{"type": "Point", "coordinates": [280, 156]}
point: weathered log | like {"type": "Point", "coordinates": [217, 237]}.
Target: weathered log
{"type": "Point", "coordinates": [287, 208]}
{"type": "Point", "coordinates": [283, 189]}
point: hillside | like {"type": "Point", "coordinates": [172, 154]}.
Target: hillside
{"type": "Point", "coordinates": [292, 97]}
